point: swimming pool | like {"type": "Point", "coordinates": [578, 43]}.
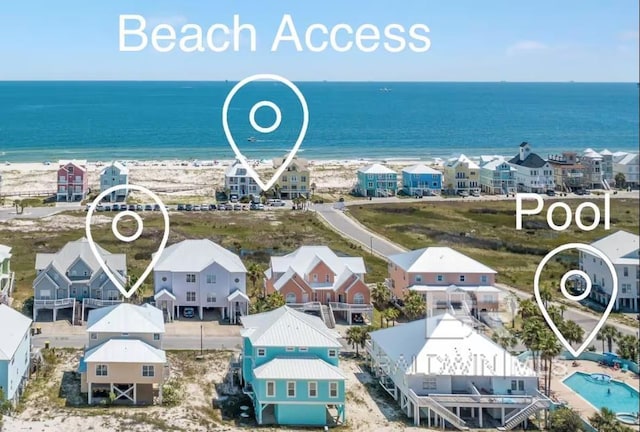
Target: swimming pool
{"type": "Point", "coordinates": [617, 396]}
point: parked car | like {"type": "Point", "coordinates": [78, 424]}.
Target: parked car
{"type": "Point", "coordinates": [148, 207]}
{"type": "Point", "coordinates": [181, 207]}
{"type": "Point", "coordinates": [123, 207]}
{"type": "Point", "coordinates": [188, 312]}
{"type": "Point", "coordinates": [99, 207]}
{"type": "Point", "coordinates": [463, 193]}
{"type": "Point", "coordinates": [188, 207]}
{"type": "Point", "coordinates": [204, 207]}
{"type": "Point", "coordinates": [222, 207]}
{"type": "Point", "coordinates": [195, 208]}
{"type": "Point", "coordinates": [132, 207]}
{"type": "Point", "coordinates": [107, 208]}
{"type": "Point", "coordinates": [275, 203]}
{"type": "Point", "coordinates": [357, 318]}
{"type": "Point", "coordinates": [212, 207]}
{"type": "Point", "coordinates": [157, 207]}
{"type": "Point", "coordinates": [115, 207]}
{"type": "Point", "coordinates": [237, 207]}
{"type": "Point", "coordinates": [233, 198]}
{"type": "Point", "coordinates": [551, 192]}
{"type": "Point", "coordinates": [139, 207]}
{"type": "Point", "coordinates": [475, 193]}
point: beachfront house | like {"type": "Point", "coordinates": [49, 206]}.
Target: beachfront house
{"type": "Point", "coordinates": [199, 275]}
{"type": "Point", "coordinates": [238, 182]}
{"type": "Point", "coordinates": [316, 278]}
{"type": "Point", "coordinates": [623, 251]}
{"type": "Point", "coordinates": [15, 352]}
{"type": "Point", "coordinates": [444, 373]}
{"type": "Point", "coordinates": [461, 174]}
{"type": "Point", "coordinates": [73, 275]}
{"type": "Point", "coordinates": [296, 180]}
{"type": "Point", "coordinates": [73, 181]}
{"type": "Point", "coordinates": [112, 175]}
{"type": "Point", "coordinates": [376, 181]}
{"type": "Point", "coordinates": [124, 356]}
{"type": "Point", "coordinates": [290, 369]}
{"type": "Point", "coordinates": [627, 164]}
{"type": "Point", "coordinates": [446, 278]}
{"type": "Point", "coordinates": [7, 277]}
{"type": "Point", "coordinates": [533, 174]}
{"type": "Point", "coordinates": [607, 168]}
{"type": "Point", "coordinates": [594, 175]}
{"type": "Point", "coordinates": [419, 180]}
{"type": "Point", "coordinates": [569, 174]}
{"type": "Point", "coordinates": [497, 177]}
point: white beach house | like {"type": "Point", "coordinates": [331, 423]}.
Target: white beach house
{"type": "Point", "coordinates": [622, 249]}
{"type": "Point", "coordinates": [112, 175]}
{"type": "Point", "coordinates": [627, 164]}
{"type": "Point", "coordinates": [124, 355]}
{"type": "Point", "coordinates": [200, 274]}
{"type": "Point", "coordinates": [238, 181]}
{"type": "Point", "coordinates": [443, 372]}
{"type": "Point", "coordinates": [498, 177]}
{"type": "Point", "coordinates": [533, 174]}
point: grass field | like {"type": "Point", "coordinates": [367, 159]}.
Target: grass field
{"type": "Point", "coordinates": [485, 230]}
{"type": "Point", "coordinates": [254, 235]}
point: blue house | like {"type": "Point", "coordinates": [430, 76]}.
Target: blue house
{"type": "Point", "coordinates": [421, 180]}
{"type": "Point", "coordinates": [15, 352]}
{"type": "Point", "coordinates": [376, 181]}
{"type": "Point", "coordinates": [290, 369]}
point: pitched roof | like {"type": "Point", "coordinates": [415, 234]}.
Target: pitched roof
{"type": "Point", "coordinates": [299, 163]}
{"type": "Point", "coordinates": [121, 168]}
{"type": "Point", "coordinates": [628, 158]}
{"type": "Point", "coordinates": [237, 294]}
{"type": "Point", "coordinates": [126, 318]}
{"type": "Point", "coordinates": [299, 368]}
{"type": "Point", "coordinates": [5, 252]}
{"type": "Point", "coordinates": [438, 260]}
{"type": "Point", "coordinates": [495, 163]}
{"type": "Point", "coordinates": [14, 326]}
{"type": "Point", "coordinates": [531, 161]}
{"type": "Point", "coordinates": [73, 250]}
{"type": "Point", "coordinates": [78, 163]}
{"type": "Point", "coordinates": [621, 247]}
{"type": "Point", "coordinates": [462, 159]}
{"type": "Point", "coordinates": [420, 169]}
{"type": "Point", "coordinates": [304, 259]}
{"type": "Point", "coordinates": [376, 169]}
{"type": "Point", "coordinates": [232, 170]}
{"type": "Point", "coordinates": [606, 152]}
{"type": "Point", "coordinates": [444, 345]}
{"type": "Point", "coordinates": [125, 351]}
{"type": "Point", "coordinates": [285, 326]}
{"type": "Point", "coordinates": [196, 255]}
{"type": "Point", "coordinates": [162, 293]}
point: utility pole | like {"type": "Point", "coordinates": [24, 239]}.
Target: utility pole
{"type": "Point", "coordinates": [201, 347]}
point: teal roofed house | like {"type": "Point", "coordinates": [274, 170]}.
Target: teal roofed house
{"type": "Point", "coordinates": [290, 369]}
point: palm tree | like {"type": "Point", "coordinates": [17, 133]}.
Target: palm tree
{"type": "Point", "coordinates": [611, 334]}
{"type": "Point", "coordinates": [621, 180]}
{"type": "Point", "coordinates": [572, 332]}
{"type": "Point", "coordinates": [254, 273]}
{"type": "Point", "coordinates": [528, 309]}
{"type": "Point", "coordinates": [275, 300]}
{"type": "Point", "coordinates": [313, 189]}
{"type": "Point", "coordinates": [380, 296]}
{"type": "Point", "coordinates": [531, 336]}
{"type": "Point", "coordinates": [391, 314]}
{"type": "Point", "coordinates": [628, 347]}
{"type": "Point", "coordinates": [600, 337]}
{"type": "Point", "coordinates": [549, 348]}
{"type": "Point", "coordinates": [414, 305]}
{"type": "Point", "coordinates": [563, 308]}
{"type": "Point", "coordinates": [357, 337]}
{"type": "Point", "coordinates": [546, 295]}
{"type": "Point", "coordinates": [505, 339]}
{"type": "Point", "coordinates": [604, 421]}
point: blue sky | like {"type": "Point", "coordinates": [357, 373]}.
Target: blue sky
{"type": "Point", "coordinates": [492, 40]}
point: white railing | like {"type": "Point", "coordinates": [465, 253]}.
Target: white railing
{"type": "Point", "coordinates": [41, 303]}
{"type": "Point", "coordinates": [313, 305]}
{"type": "Point", "coordinates": [99, 303]}
{"type": "Point", "coordinates": [442, 411]}
{"type": "Point", "coordinates": [332, 318]}
{"type": "Point", "coordinates": [350, 306]}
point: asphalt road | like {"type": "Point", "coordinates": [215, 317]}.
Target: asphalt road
{"type": "Point", "coordinates": [170, 342]}
{"type": "Point", "coordinates": [382, 247]}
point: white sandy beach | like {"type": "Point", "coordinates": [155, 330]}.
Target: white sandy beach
{"type": "Point", "coordinates": [181, 177]}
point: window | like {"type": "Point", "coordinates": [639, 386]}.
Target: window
{"type": "Point", "coordinates": [191, 296]}
{"type": "Point", "coordinates": [303, 349]}
{"type": "Point", "coordinates": [211, 278]}
{"type": "Point", "coordinates": [418, 278]}
{"type": "Point", "coordinates": [291, 298]}
{"type": "Point", "coordinates": [291, 389]}
{"type": "Point", "coordinates": [191, 278]}
{"type": "Point", "coordinates": [284, 178]}
{"type": "Point", "coordinates": [125, 334]}
{"type": "Point", "coordinates": [313, 389]}
{"type": "Point", "coordinates": [211, 298]}
{"type": "Point", "coordinates": [271, 389]}
{"type": "Point", "coordinates": [94, 336]}
{"type": "Point", "coordinates": [462, 278]}
{"type": "Point", "coordinates": [333, 389]}
{"type": "Point", "coordinates": [164, 278]}
{"type": "Point", "coordinates": [314, 277]}
{"type": "Point", "coordinates": [484, 279]}
{"type": "Point", "coordinates": [625, 271]}
{"type": "Point", "coordinates": [290, 349]}
{"type": "Point", "coordinates": [333, 353]}
{"type": "Point", "coordinates": [517, 385]}
{"type": "Point", "coordinates": [262, 352]}
{"type": "Point", "coordinates": [156, 336]}
{"type": "Point", "coordinates": [101, 370]}
{"type": "Point", "coordinates": [358, 298]}
{"type": "Point", "coordinates": [148, 371]}
{"type": "Point", "coordinates": [440, 278]}
{"type": "Point", "coordinates": [626, 288]}
{"type": "Point", "coordinates": [429, 384]}
{"type": "Point", "coordinates": [326, 278]}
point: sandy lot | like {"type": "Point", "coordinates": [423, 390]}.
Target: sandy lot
{"type": "Point", "coordinates": [52, 402]}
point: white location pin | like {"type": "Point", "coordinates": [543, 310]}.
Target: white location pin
{"type": "Point", "coordinates": [303, 130]}
{"type": "Point", "coordinates": [614, 292]}
{"type": "Point", "coordinates": [114, 227]}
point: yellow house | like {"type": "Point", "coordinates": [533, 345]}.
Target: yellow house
{"type": "Point", "coordinates": [461, 175]}
{"type": "Point", "coordinates": [124, 357]}
{"type": "Point", "coordinates": [296, 180]}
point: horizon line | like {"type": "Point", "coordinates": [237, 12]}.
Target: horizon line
{"type": "Point", "coordinates": [322, 81]}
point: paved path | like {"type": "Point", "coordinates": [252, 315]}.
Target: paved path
{"type": "Point", "coordinates": [8, 213]}
{"type": "Point", "coordinates": [170, 342]}
{"type": "Point", "coordinates": [382, 247]}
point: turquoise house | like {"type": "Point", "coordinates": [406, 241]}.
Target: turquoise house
{"type": "Point", "coordinates": [15, 352]}
{"type": "Point", "coordinates": [376, 181]}
{"type": "Point", "coordinates": [418, 180]}
{"type": "Point", "coordinates": [290, 369]}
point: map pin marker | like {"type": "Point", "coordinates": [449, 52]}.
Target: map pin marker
{"type": "Point", "coordinates": [118, 281]}
{"type": "Point", "coordinates": [614, 292]}
{"type": "Point", "coordinates": [268, 104]}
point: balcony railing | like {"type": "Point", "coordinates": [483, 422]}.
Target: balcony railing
{"type": "Point", "coordinates": [97, 303]}
{"type": "Point", "coordinates": [336, 306]}
{"type": "Point", "coordinates": [46, 303]}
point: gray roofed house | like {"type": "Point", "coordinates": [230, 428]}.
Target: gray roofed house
{"type": "Point", "coordinates": [74, 274]}
{"type": "Point", "coordinates": [533, 174]}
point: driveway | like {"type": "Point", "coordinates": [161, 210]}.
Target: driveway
{"type": "Point", "coordinates": [8, 213]}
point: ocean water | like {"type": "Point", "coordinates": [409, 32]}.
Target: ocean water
{"type": "Point", "coordinates": [182, 120]}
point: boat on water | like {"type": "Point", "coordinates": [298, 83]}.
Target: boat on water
{"type": "Point", "coordinates": [385, 90]}
{"type": "Point", "coordinates": [252, 139]}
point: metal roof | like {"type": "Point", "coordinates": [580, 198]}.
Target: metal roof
{"type": "Point", "coordinates": [196, 255]}
{"type": "Point", "coordinates": [126, 318]}
{"type": "Point", "coordinates": [420, 169]}
{"type": "Point", "coordinates": [621, 247]}
{"type": "Point", "coordinates": [70, 252]}
{"type": "Point", "coordinates": [125, 351]}
{"type": "Point", "coordinates": [14, 326]}
{"type": "Point", "coordinates": [438, 260]}
{"type": "Point", "coordinates": [376, 169]}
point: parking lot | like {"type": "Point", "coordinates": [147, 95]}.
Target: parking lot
{"type": "Point", "coordinates": [204, 207]}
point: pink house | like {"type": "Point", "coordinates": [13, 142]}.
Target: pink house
{"type": "Point", "coordinates": [443, 274]}
{"type": "Point", "coordinates": [73, 181]}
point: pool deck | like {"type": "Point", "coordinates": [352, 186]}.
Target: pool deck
{"type": "Point", "coordinates": [561, 392]}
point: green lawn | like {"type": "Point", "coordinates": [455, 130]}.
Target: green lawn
{"type": "Point", "coordinates": [485, 230]}
{"type": "Point", "coordinates": [255, 235]}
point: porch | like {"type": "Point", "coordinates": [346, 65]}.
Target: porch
{"type": "Point", "coordinates": [54, 305]}
{"type": "Point", "coordinates": [238, 306]}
